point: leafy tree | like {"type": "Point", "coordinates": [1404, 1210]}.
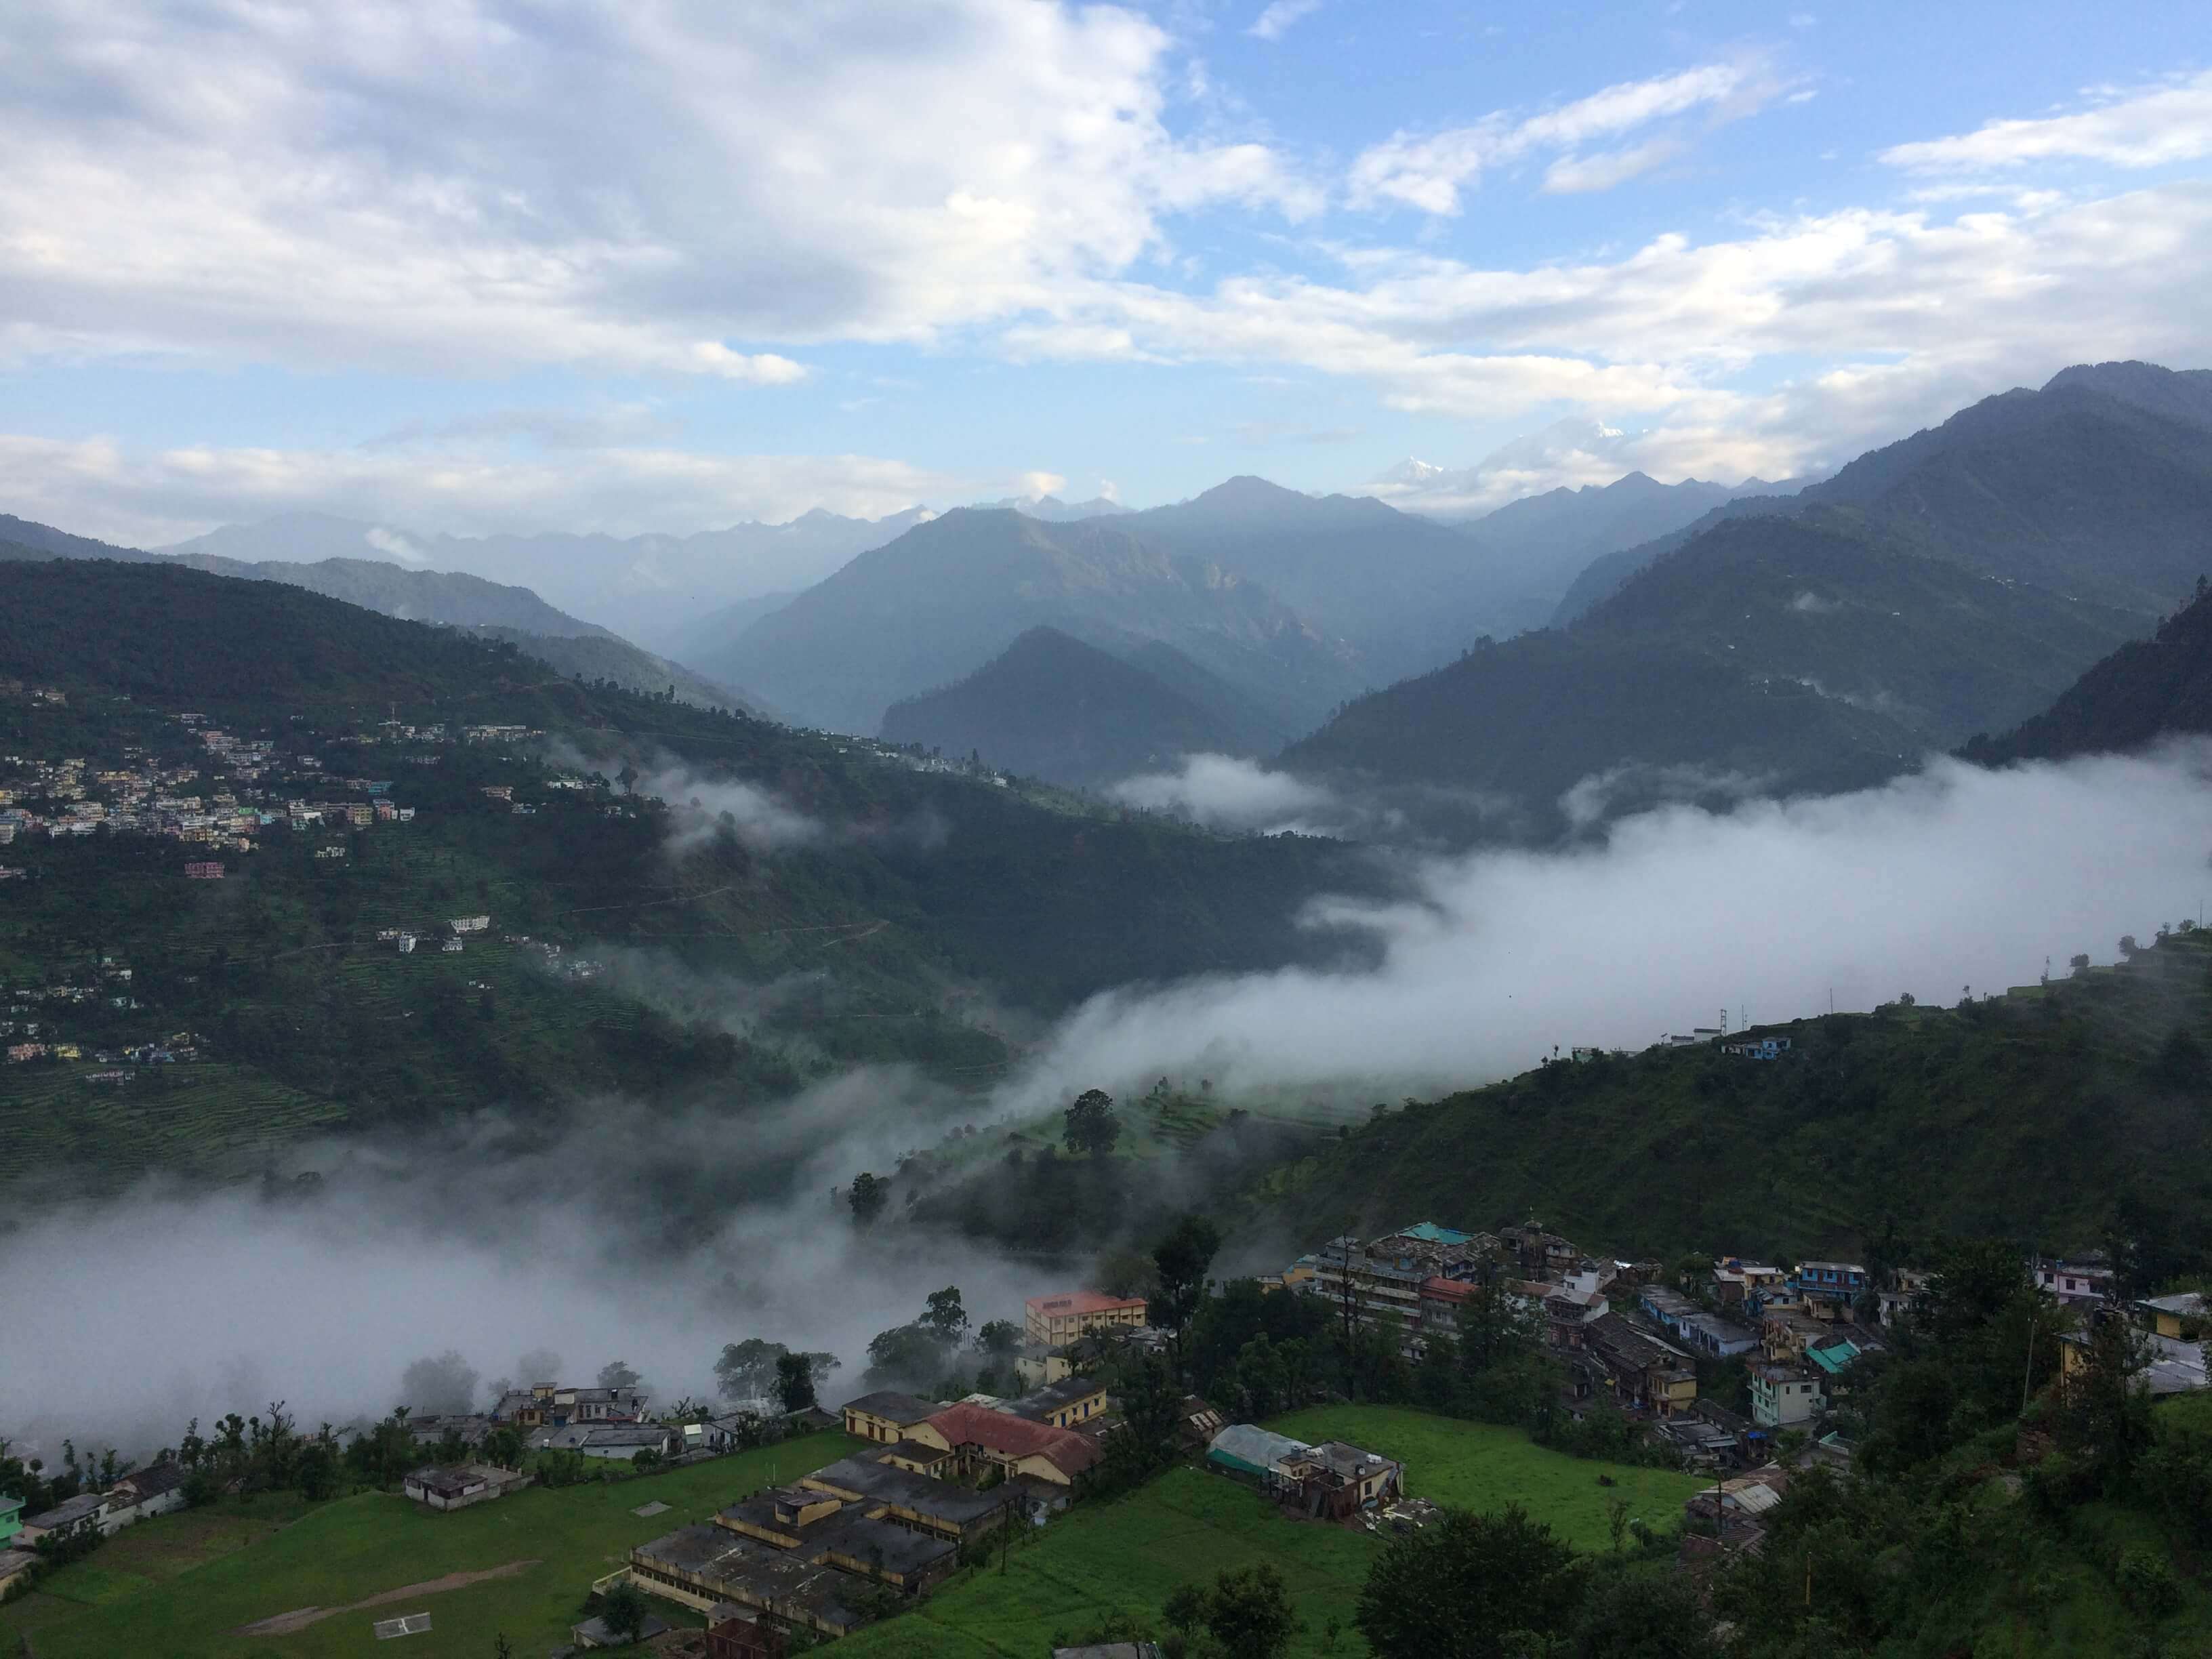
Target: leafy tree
{"type": "Point", "coordinates": [748, 1370]}
{"type": "Point", "coordinates": [869, 1195]}
{"type": "Point", "coordinates": [946, 1318]}
{"type": "Point", "coordinates": [1475, 1586]}
{"type": "Point", "coordinates": [1642, 1614]}
{"type": "Point", "coordinates": [1121, 1272]}
{"type": "Point", "coordinates": [2104, 1418]}
{"type": "Point", "coordinates": [443, 1386]}
{"type": "Point", "coordinates": [618, 1374]}
{"type": "Point", "coordinates": [1090, 1124]}
{"type": "Point", "coordinates": [1180, 1261]}
{"type": "Point", "coordinates": [911, 1355]}
{"type": "Point", "coordinates": [999, 1339]}
{"type": "Point", "coordinates": [1246, 1611]}
{"type": "Point", "coordinates": [794, 1381]}
{"type": "Point", "coordinates": [623, 1607]}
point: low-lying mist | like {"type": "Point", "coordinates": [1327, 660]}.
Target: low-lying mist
{"type": "Point", "coordinates": [620, 1233]}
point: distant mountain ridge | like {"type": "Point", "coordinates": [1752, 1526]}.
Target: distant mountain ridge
{"type": "Point", "coordinates": [1054, 707]}
{"type": "Point", "coordinates": [447, 599]}
{"type": "Point", "coordinates": [651, 587]}
{"type": "Point", "coordinates": [2099, 484]}
{"type": "Point", "coordinates": [950, 595]}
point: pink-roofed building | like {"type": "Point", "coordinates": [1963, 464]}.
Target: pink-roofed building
{"type": "Point", "coordinates": [1053, 1322]}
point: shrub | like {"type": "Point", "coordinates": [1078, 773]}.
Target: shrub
{"type": "Point", "coordinates": [2147, 1579]}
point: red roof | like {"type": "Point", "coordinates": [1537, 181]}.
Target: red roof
{"type": "Point", "coordinates": [1447, 1290]}
{"type": "Point", "coordinates": [1013, 1437]}
{"type": "Point", "coordinates": [1082, 1302]}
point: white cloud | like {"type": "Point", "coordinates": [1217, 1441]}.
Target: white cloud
{"type": "Point", "coordinates": [1430, 173]}
{"type": "Point", "coordinates": [1915, 313]}
{"type": "Point", "coordinates": [2151, 127]}
{"type": "Point", "coordinates": [393, 544]}
{"type": "Point", "coordinates": [1275, 22]}
{"type": "Point", "coordinates": [150, 497]}
{"type": "Point", "coordinates": [1225, 793]}
{"type": "Point", "coordinates": [463, 186]}
{"type": "Point", "coordinates": [1915, 886]}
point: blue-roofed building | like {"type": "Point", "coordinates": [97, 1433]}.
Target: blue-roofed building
{"type": "Point", "coordinates": [1837, 1282]}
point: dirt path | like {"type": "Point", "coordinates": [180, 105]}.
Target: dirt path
{"type": "Point", "coordinates": [300, 1617]}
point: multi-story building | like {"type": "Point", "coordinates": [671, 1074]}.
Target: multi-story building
{"type": "Point", "coordinates": [1053, 1322]}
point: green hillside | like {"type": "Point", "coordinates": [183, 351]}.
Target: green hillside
{"type": "Point", "coordinates": [2040, 1116]}
{"type": "Point", "coordinates": [2145, 690]}
{"type": "Point", "coordinates": [898, 904]}
{"type": "Point", "coordinates": [1789, 654]}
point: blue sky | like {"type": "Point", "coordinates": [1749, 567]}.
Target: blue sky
{"type": "Point", "coordinates": [657, 266]}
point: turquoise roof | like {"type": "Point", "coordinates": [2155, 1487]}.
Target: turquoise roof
{"type": "Point", "coordinates": [1834, 1357]}
{"type": "Point", "coordinates": [1433, 1234]}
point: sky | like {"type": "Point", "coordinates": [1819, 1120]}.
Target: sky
{"type": "Point", "coordinates": [480, 265]}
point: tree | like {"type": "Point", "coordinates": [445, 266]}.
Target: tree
{"type": "Point", "coordinates": [869, 1194]}
{"type": "Point", "coordinates": [1180, 1261]}
{"type": "Point", "coordinates": [623, 1607]}
{"type": "Point", "coordinates": [2104, 1417]}
{"type": "Point", "coordinates": [946, 1318]}
{"type": "Point", "coordinates": [999, 1340]}
{"type": "Point", "coordinates": [1475, 1586]}
{"type": "Point", "coordinates": [618, 1374]}
{"type": "Point", "coordinates": [443, 1386]}
{"type": "Point", "coordinates": [911, 1355]}
{"type": "Point", "coordinates": [1642, 1614]}
{"type": "Point", "coordinates": [1246, 1612]}
{"type": "Point", "coordinates": [794, 1381]}
{"type": "Point", "coordinates": [748, 1370]}
{"type": "Point", "coordinates": [1121, 1272]}
{"type": "Point", "coordinates": [1090, 1125]}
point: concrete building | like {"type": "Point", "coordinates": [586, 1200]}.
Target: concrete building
{"type": "Point", "coordinates": [980, 1439]}
{"type": "Point", "coordinates": [1782, 1396]}
{"type": "Point", "coordinates": [456, 1486]}
{"type": "Point", "coordinates": [1053, 1322]}
{"type": "Point", "coordinates": [157, 1489]}
{"type": "Point", "coordinates": [887, 1416]}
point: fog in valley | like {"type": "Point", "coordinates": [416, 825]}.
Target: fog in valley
{"type": "Point", "coordinates": [656, 1239]}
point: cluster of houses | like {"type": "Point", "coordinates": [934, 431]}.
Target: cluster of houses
{"type": "Point", "coordinates": [156, 1490]}
{"type": "Point", "coordinates": [1628, 1337]}
{"type": "Point", "coordinates": [134, 794]}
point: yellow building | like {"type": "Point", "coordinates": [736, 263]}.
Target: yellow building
{"type": "Point", "coordinates": [887, 1416]}
{"type": "Point", "coordinates": [1053, 1322]}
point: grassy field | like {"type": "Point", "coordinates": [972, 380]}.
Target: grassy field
{"type": "Point", "coordinates": [183, 1585]}
{"type": "Point", "coordinates": [1126, 1556]}
{"type": "Point", "coordinates": [1478, 1466]}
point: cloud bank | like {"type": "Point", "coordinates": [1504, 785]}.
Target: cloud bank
{"type": "Point", "coordinates": [1952, 878]}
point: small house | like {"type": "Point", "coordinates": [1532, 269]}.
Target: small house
{"type": "Point", "coordinates": [1335, 1480]}
{"type": "Point", "coordinates": [157, 1489]}
{"type": "Point", "coordinates": [81, 1514]}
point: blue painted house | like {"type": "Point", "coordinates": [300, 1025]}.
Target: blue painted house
{"type": "Point", "coordinates": [1836, 1282]}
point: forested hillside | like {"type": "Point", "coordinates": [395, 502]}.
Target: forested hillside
{"type": "Point", "coordinates": [796, 906]}
{"type": "Point", "coordinates": [2145, 690]}
{"type": "Point", "coordinates": [1775, 654]}
{"type": "Point", "coordinates": [2057, 1116]}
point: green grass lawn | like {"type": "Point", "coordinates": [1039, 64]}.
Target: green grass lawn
{"type": "Point", "coordinates": [1128, 1555]}
{"type": "Point", "coordinates": [1478, 1466]}
{"type": "Point", "coordinates": [182, 1585]}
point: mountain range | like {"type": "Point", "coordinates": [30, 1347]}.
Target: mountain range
{"type": "Point", "coordinates": [950, 595]}
{"type": "Point", "coordinates": [650, 587]}
{"type": "Point", "coordinates": [2099, 483]}
{"type": "Point", "coordinates": [446, 597]}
